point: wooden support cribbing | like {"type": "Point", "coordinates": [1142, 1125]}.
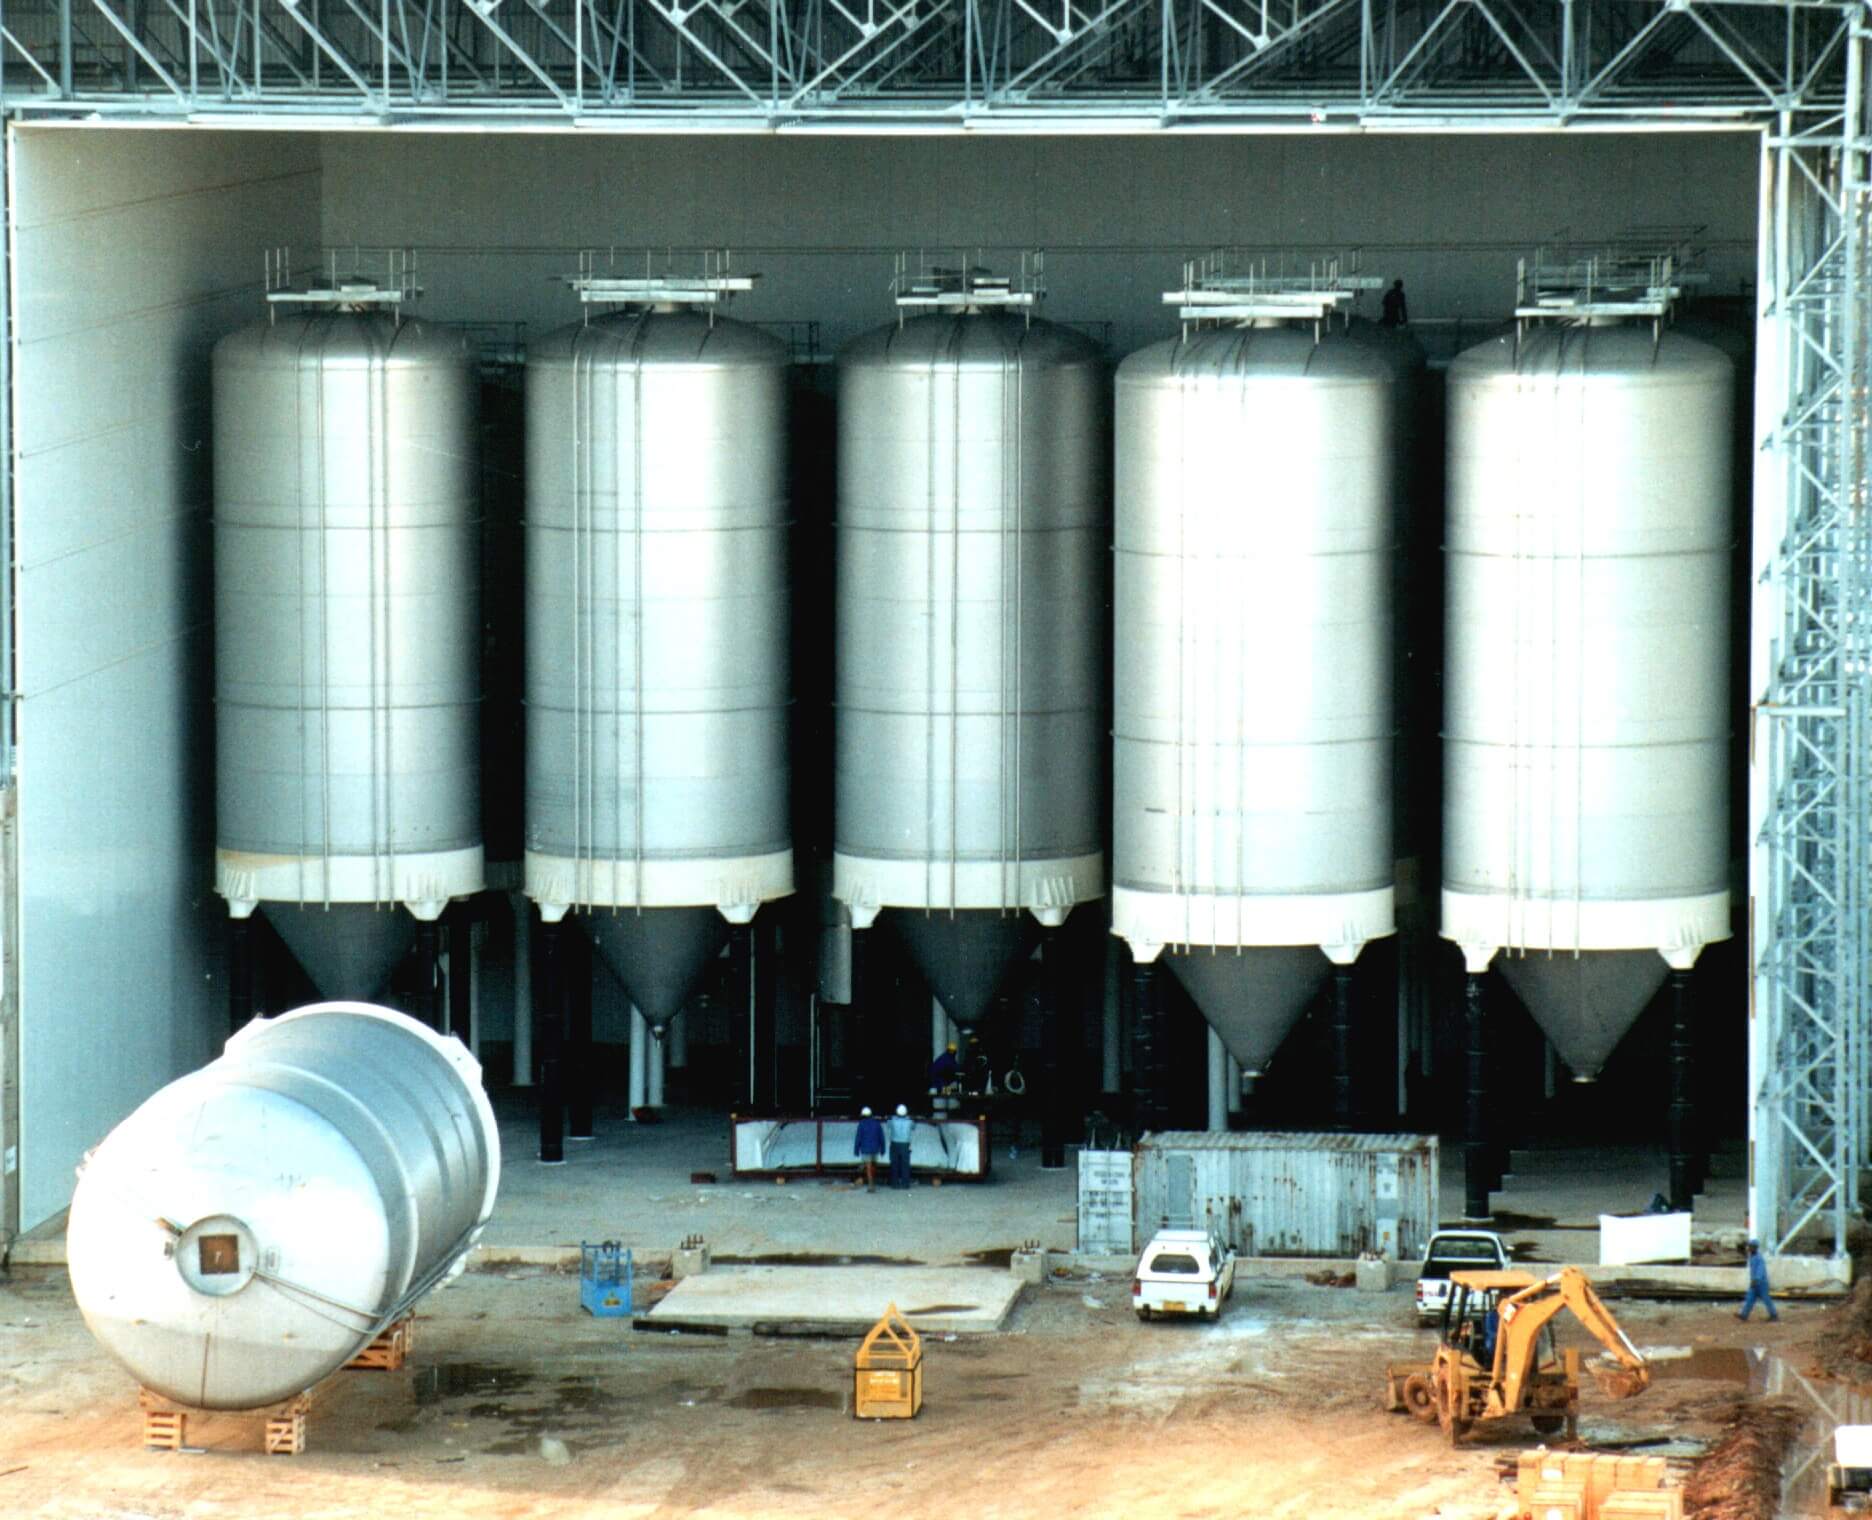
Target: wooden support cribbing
{"type": "Point", "coordinates": [165, 1423]}
{"type": "Point", "coordinates": [165, 1427]}
{"type": "Point", "coordinates": [286, 1428]}
{"type": "Point", "coordinates": [389, 1351]}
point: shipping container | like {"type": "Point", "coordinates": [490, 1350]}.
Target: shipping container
{"type": "Point", "coordinates": [1290, 1194]}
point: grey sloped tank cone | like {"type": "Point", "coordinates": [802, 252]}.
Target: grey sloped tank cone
{"type": "Point", "coordinates": [964, 955]}
{"type": "Point", "coordinates": [1251, 996]}
{"type": "Point", "coordinates": [658, 954]}
{"type": "Point", "coordinates": [1585, 1003]}
{"type": "Point", "coordinates": [348, 949]}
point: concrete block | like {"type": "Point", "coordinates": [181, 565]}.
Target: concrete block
{"type": "Point", "coordinates": [1373, 1274]}
{"type": "Point", "coordinates": [1028, 1266]}
{"type": "Point", "coordinates": [689, 1261]}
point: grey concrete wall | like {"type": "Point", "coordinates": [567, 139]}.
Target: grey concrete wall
{"type": "Point", "coordinates": [134, 252]}
{"type": "Point", "coordinates": [498, 216]}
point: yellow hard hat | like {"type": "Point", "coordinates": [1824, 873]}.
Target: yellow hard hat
{"type": "Point", "coordinates": [952, 1046]}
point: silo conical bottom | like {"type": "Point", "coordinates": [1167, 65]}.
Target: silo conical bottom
{"type": "Point", "coordinates": [964, 955]}
{"type": "Point", "coordinates": [1584, 1003]}
{"type": "Point", "coordinates": [348, 949]}
{"type": "Point", "coordinates": [658, 954]}
{"type": "Point", "coordinates": [1252, 995]}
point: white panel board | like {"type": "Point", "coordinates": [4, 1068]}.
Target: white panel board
{"type": "Point", "coordinates": [133, 252]}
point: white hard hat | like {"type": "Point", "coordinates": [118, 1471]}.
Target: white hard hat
{"type": "Point", "coordinates": [901, 1109]}
{"type": "Point", "coordinates": [864, 1113]}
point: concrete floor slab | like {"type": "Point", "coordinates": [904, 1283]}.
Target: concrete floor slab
{"type": "Point", "coordinates": [936, 1300]}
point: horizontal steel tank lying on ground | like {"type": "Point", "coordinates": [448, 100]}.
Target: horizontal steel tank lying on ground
{"type": "Point", "coordinates": [658, 626]}
{"type": "Point", "coordinates": [1587, 668]}
{"type": "Point", "coordinates": [256, 1223]}
{"type": "Point", "coordinates": [971, 534]}
{"type": "Point", "coordinates": [347, 629]}
{"type": "Point", "coordinates": [1256, 491]}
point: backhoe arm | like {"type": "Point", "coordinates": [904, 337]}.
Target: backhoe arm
{"type": "Point", "coordinates": [1528, 1312]}
{"type": "Point", "coordinates": [1635, 1374]}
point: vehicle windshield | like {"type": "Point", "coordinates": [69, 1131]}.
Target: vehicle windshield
{"type": "Point", "coordinates": [1444, 1248]}
{"type": "Point", "coordinates": [1173, 1261]}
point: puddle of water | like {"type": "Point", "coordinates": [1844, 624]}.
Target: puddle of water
{"type": "Point", "coordinates": [1804, 1473]}
{"type": "Point", "coordinates": [584, 1395]}
{"type": "Point", "coordinates": [788, 1398]}
{"type": "Point", "coordinates": [453, 1380]}
{"type": "Point", "coordinates": [814, 1259]}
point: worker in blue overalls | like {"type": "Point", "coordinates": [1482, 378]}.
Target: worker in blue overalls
{"type": "Point", "coordinates": [868, 1145]}
{"type": "Point", "coordinates": [1758, 1284]}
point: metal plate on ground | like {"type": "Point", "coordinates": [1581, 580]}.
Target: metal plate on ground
{"type": "Point", "coordinates": [938, 1300]}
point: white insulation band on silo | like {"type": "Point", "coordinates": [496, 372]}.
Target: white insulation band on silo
{"type": "Point", "coordinates": [737, 887]}
{"type": "Point", "coordinates": [1340, 923]}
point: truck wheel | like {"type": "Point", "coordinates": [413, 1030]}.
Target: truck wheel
{"type": "Point", "coordinates": [1420, 1398]}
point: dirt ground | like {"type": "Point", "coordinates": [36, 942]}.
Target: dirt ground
{"type": "Point", "coordinates": [517, 1405]}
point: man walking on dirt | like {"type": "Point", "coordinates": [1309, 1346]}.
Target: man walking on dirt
{"type": "Point", "coordinates": [1758, 1284]}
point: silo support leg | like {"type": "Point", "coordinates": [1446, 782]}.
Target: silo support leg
{"type": "Point", "coordinates": [240, 971]}
{"type": "Point", "coordinates": [1478, 1155]}
{"type": "Point", "coordinates": [1055, 1120]}
{"type": "Point", "coordinates": [763, 1049]}
{"type": "Point", "coordinates": [460, 976]}
{"type": "Point", "coordinates": [547, 1031]}
{"type": "Point", "coordinates": [433, 1006]}
{"type": "Point", "coordinates": [1218, 1081]}
{"type": "Point", "coordinates": [741, 953]}
{"type": "Point", "coordinates": [1342, 1105]}
{"type": "Point", "coordinates": [575, 1007]}
{"type": "Point", "coordinates": [1147, 1036]}
{"type": "Point", "coordinates": [1683, 1179]}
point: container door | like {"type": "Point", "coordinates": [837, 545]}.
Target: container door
{"type": "Point", "coordinates": [1105, 1202]}
{"type": "Point", "coordinates": [1385, 1225]}
{"type": "Point", "coordinates": [1180, 1190]}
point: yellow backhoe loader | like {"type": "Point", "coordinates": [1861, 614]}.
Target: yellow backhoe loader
{"type": "Point", "coordinates": [1496, 1355]}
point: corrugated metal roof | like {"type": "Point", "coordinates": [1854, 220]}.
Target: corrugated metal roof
{"type": "Point", "coordinates": [1280, 1140]}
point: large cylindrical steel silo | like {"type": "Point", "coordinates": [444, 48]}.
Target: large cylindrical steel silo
{"type": "Point", "coordinates": [1587, 719]}
{"type": "Point", "coordinates": [347, 640]}
{"type": "Point", "coordinates": [254, 1224]}
{"type": "Point", "coordinates": [1253, 711]}
{"type": "Point", "coordinates": [972, 511]}
{"type": "Point", "coordinates": [658, 677]}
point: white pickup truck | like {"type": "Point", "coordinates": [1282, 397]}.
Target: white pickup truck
{"type": "Point", "coordinates": [1455, 1251]}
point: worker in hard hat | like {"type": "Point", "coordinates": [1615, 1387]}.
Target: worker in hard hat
{"type": "Point", "coordinates": [945, 1071]}
{"type": "Point", "coordinates": [901, 1127]}
{"type": "Point", "coordinates": [868, 1145]}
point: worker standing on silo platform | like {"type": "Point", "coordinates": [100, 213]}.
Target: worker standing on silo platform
{"type": "Point", "coordinates": [868, 1145]}
{"type": "Point", "coordinates": [901, 1127]}
{"type": "Point", "coordinates": [1758, 1285]}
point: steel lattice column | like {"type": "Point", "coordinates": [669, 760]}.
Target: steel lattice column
{"type": "Point", "coordinates": [1811, 673]}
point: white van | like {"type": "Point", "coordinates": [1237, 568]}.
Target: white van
{"type": "Point", "coordinates": [1183, 1272]}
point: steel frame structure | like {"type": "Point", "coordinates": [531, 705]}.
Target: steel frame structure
{"type": "Point", "coordinates": [781, 63]}
{"type": "Point", "coordinates": [1811, 677]}
{"type": "Point", "coordinates": [1794, 70]}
